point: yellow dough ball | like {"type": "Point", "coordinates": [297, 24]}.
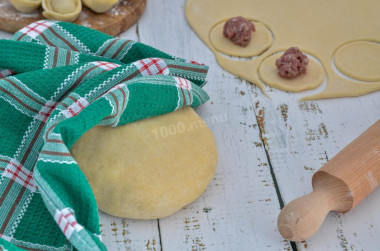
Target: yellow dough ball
{"type": "Point", "coordinates": [151, 168]}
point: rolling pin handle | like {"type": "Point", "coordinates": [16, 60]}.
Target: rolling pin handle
{"type": "Point", "coordinates": [302, 217]}
{"type": "Point", "coordinates": [338, 186]}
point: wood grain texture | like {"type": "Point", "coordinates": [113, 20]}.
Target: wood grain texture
{"type": "Point", "coordinates": [357, 166]}
{"type": "Point", "coordinates": [122, 16]}
{"type": "Point", "coordinates": [125, 234]}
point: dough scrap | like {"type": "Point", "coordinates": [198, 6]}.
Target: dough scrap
{"type": "Point", "coordinates": [261, 40]}
{"type": "Point", "coordinates": [359, 60]}
{"type": "Point", "coordinates": [269, 74]}
{"type": "Point", "coordinates": [99, 6]}
{"type": "Point", "coordinates": [26, 6]}
{"type": "Point", "coordinates": [67, 10]}
{"type": "Point", "coordinates": [317, 28]}
{"type": "Point", "coordinates": [151, 168]}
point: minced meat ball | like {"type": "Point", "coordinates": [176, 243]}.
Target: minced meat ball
{"type": "Point", "coordinates": [238, 30]}
{"type": "Point", "coordinates": [292, 63]}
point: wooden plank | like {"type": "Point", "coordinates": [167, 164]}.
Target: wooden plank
{"type": "Point", "coordinates": [301, 137]}
{"type": "Point", "coordinates": [126, 234]}
{"type": "Point", "coordinates": [131, 33]}
{"type": "Point", "coordinates": [239, 209]}
{"type": "Point", "coordinates": [123, 15]}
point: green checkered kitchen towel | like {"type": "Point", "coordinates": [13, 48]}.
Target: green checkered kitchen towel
{"type": "Point", "coordinates": [59, 80]}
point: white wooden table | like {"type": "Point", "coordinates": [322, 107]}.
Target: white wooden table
{"type": "Point", "coordinates": [268, 152]}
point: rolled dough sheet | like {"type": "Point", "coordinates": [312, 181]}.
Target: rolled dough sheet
{"type": "Point", "coordinates": [150, 168]}
{"type": "Point", "coordinates": [318, 28]}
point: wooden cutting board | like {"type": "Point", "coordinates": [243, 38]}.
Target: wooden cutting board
{"type": "Point", "coordinates": [123, 15]}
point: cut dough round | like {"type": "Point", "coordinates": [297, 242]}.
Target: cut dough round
{"type": "Point", "coordinates": [312, 79]}
{"type": "Point", "coordinates": [359, 60]}
{"type": "Point", "coordinates": [99, 6]}
{"type": "Point", "coordinates": [150, 168]}
{"type": "Point", "coordinates": [26, 6]}
{"type": "Point", "coordinates": [261, 40]}
{"type": "Point", "coordinates": [67, 10]}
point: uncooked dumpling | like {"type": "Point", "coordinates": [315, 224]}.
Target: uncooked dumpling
{"type": "Point", "coordinates": [151, 168]}
{"type": "Point", "coordinates": [25, 6]}
{"type": "Point", "coordinates": [63, 10]}
{"type": "Point", "coordinates": [99, 6]}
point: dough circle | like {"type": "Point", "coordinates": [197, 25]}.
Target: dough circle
{"type": "Point", "coordinates": [359, 60]}
{"type": "Point", "coordinates": [311, 80]}
{"type": "Point", "coordinates": [261, 41]}
{"type": "Point", "coordinates": [151, 168]}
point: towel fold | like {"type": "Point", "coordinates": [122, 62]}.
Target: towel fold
{"type": "Point", "coordinates": [60, 80]}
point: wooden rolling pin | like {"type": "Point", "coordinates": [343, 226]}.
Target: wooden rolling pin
{"type": "Point", "coordinates": [338, 186]}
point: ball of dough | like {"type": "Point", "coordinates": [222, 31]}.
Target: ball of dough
{"type": "Point", "coordinates": [151, 168]}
